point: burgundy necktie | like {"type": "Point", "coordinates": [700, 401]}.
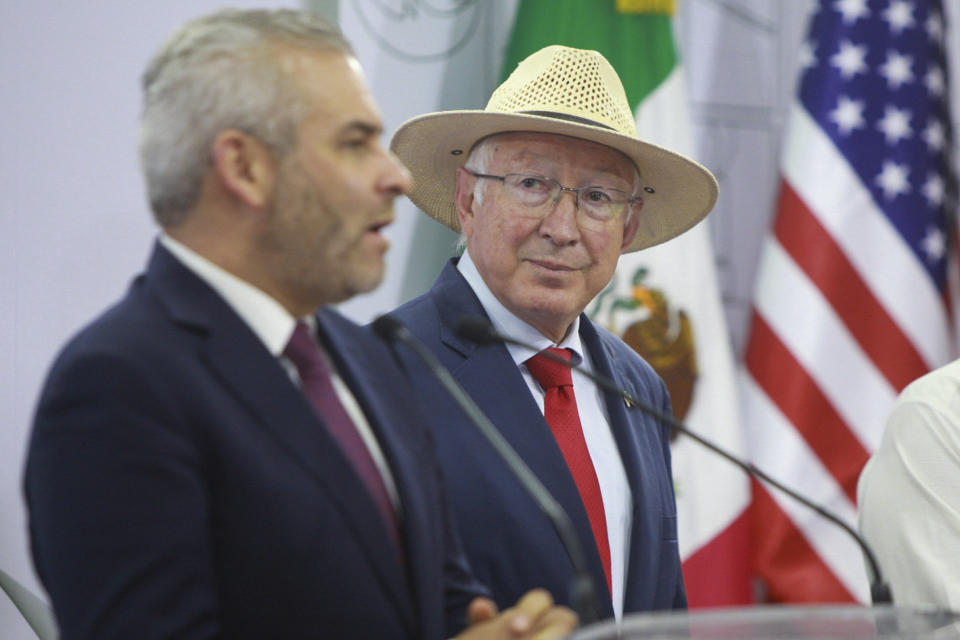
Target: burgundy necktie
{"type": "Point", "coordinates": [560, 410]}
{"type": "Point", "coordinates": [304, 352]}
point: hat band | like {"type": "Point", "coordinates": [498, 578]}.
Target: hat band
{"type": "Point", "coordinates": [567, 116]}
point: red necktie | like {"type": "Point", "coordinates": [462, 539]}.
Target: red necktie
{"type": "Point", "coordinates": [304, 352]}
{"type": "Point", "coordinates": [560, 410]}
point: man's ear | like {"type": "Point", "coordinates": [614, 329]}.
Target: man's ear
{"type": "Point", "coordinates": [633, 224]}
{"type": "Point", "coordinates": [244, 166]}
{"type": "Point", "coordinates": [465, 201]}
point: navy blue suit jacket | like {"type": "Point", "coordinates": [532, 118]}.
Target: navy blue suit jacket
{"type": "Point", "coordinates": [511, 545]}
{"type": "Point", "coordinates": [179, 484]}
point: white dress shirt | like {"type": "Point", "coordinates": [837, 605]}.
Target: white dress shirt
{"type": "Point", "coordinates": [274, 325]}
{"type": "Point", "coordinates": [909, 493]}
{"type": "Point", "coordinates": [614, 488]}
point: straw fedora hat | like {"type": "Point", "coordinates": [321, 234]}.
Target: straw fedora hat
{"type": "Point", "coordinates": [565, 91]}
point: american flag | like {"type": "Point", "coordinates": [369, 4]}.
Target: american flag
{"type": "Point", "coordinates": [851, 301]}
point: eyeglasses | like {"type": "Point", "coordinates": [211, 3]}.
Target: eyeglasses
{"type": "Point", "coordinates": [599, 205]}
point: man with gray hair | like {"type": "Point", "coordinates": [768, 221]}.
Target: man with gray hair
{"type": "Point", "coordinates": [548, 185]}
{"type": "Point", "coordinates": [219, 455]}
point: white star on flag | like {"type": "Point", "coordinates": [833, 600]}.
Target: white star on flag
{"type": "Point", "coordinates": [852, 10]}
{"type": "Point", "coordinates": [893, 179]}
{"type": "Point", "coordinates": [850, 59]}
{"type": "Point", "coordinates": [934, 244]}
{"type": "Point", "coordinates": [897, 69]}
{"type": "Point", "coordinates": [933, 81]}
{"type": "Point", "coordinates": [895, 124]}
{"type": "Point", "coordinates": [900, 15]}
{"type": "Point", "coordinates": [934, 135]}
{"type": "Point", "coordinates": [848, 115]}
{"type": "Point", "coordinates": [935, 28]}
{"type": "Point", "coordinates": [933, 190]}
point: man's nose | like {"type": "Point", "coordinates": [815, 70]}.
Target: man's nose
{"type": "Point", "coordinates": [560, 223]}
{"type": "Point", "coordinates": [397, 177]}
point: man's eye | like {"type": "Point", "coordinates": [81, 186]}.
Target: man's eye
{"type": "Point", "coordinates": [354, 143]}
{"type": "Point", "coordinates": [532, 183]}
{"type": "Point", "coordinates": [598, 196]}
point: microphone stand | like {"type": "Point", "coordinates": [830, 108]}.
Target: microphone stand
{"type": "Point", "coordinates": [480, 331]}
{"type": "Point", "coordinates": [584, 592]}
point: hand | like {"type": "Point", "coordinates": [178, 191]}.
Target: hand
{"type": "Point", "coordinates": [481, 610]}
{"type": "Point", "coordinates": [534, 617]}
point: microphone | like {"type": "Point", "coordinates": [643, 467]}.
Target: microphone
{"type": "Point", "coordinates": [584, 592]}
{"type": "Point", "coordinates": [480, 331]}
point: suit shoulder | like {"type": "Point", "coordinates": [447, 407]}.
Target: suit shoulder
{"type": "Point", "coordinates": [131, 325]}
{"type": "Point", "coordinates": [420, 315]}
{"type": "Point", "coordinates": [423, 306]}
{"type": "Point", "coordinates": [336, 322]}
{"type": "Point", "coordinates": [347, 338]}
{"type": "Point", "coordinates": [358, 347]}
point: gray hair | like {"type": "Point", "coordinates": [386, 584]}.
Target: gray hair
{"type": "Point", "coordinates": [479, 162]}
{"type": "Point", "coordinates": [214, 73]}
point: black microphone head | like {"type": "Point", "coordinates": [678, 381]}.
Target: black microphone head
{"type": "Point", "coordinates": [388, 328]}
{"type": "Point", "coordinates": [477, 330]}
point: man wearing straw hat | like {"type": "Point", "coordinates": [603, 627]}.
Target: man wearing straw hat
{"type": "Point", "coordinates": [548, 186]}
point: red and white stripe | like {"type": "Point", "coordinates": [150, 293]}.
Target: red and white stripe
{"type": "Point", "coordinates": [844, 317]}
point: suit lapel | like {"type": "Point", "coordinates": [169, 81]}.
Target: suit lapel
{"type": "Point", "coordinates": [646, 513]}
{"type": "Point", "coordinates": [258, 382]}
{"type": "Point", "coordinates": [616, 408]}
{"type": "Point", "coordinates": [496, 385]}
{"type": "Point", "coordinates": [371, 387]}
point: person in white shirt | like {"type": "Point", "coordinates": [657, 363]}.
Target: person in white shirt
{"type": "Point", "coordinates": [908, 494]}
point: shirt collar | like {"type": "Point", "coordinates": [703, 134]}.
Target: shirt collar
{"type": "Point", "coordinates": [505, 322]}
{"type": "Point", "coordinates": [266, 317]}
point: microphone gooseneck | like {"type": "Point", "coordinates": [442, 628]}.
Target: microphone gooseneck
{"type": "Point", "coordinates": [480, 331]}
{"type": "Point", "coordinates": [584, 595]}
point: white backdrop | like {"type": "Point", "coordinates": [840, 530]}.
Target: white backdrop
{"type": "Point", "coordinates": [76, 228]}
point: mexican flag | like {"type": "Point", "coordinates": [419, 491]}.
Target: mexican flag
{"type": "Point", "coordinates": [664, 301]}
